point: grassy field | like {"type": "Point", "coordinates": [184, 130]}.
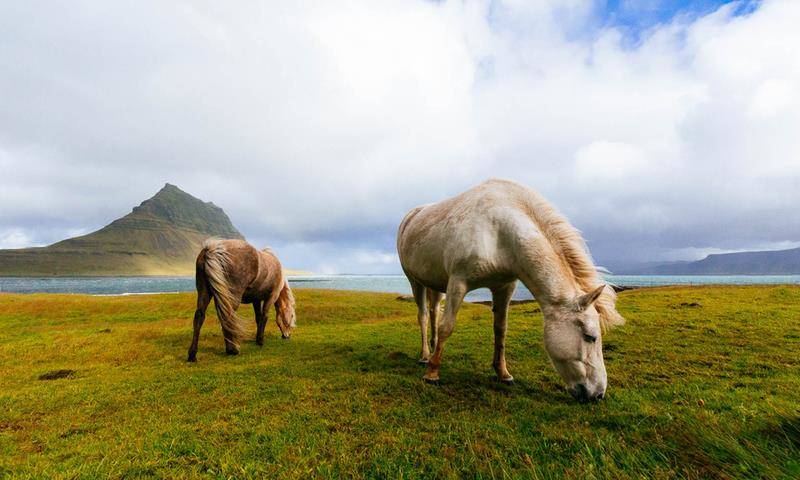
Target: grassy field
{"type": "Point", "coordinates": [704, 382]}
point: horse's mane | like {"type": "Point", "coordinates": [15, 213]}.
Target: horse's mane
{"type": "Point", "coordinates": [568, 243]}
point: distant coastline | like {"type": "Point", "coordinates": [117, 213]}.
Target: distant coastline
{"type": "Point", "coordinates": [288, 272]}
{"type": "Point", "coordinates": [394, 284]}
{"type": "Point", "coordinates": [771, 262]}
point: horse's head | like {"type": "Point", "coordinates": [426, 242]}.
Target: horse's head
{"type": "Point", "coordinates": [284, 308]}
{"type": "Point", "coordinates": [572, 340]}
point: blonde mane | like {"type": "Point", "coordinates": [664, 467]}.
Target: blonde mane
{"type": "Point", "coordinates": [568, 243]}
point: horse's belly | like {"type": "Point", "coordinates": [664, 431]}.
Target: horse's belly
{"type": "Point", "coordinates": [480, 269]}
{"type": "Point", "coordinates": [251, 296]}
{"type": "Point", "coordinates": [426, 269]}
{"type": "Point", "coordinates": [491, 281]}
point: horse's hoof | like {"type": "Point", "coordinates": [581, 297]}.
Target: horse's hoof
{"type": "Point", "coordinates": [423, 361]}
{"type": "Point", "coordinates": [431, 381]}
{"type": "Point", "coordinates": [192, 357]}
{"type": "Point", "coordinates": [232, 352]}
{"type": "Point", "coordinates": [506, 381]}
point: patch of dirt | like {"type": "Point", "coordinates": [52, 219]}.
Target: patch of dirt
{"type": "Point", "coordinates": [686, 305]}
{"type": "Point", "coordinates": [11, 426]}
{"type": "Point", "coordinates": [105, 330]}
{"type": "Point", "coordinates": [622, 288]}
{"type": "Point", "coordinates": [77, 431]}
{"type": "Point", "coordinates": [398, 356]}
{"type": "Point", "coordinates": [57, 374]}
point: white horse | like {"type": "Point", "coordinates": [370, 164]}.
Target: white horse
{"type": "Point", "coordinates": [489, 237]}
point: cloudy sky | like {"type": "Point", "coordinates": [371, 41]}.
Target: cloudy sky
{"type": "Point", "coordinates": [663, 129]}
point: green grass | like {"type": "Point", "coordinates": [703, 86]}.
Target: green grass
{"type": "Point", "coordinates": [703, 383]}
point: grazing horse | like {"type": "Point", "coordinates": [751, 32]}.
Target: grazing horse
{"type": "Point", "coordinates": [489, 237]}
{"type": "Point", "coordinates": [234, 272]}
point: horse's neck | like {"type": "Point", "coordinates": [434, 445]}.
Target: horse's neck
{"type": "Point", "coordinates": [548, 279]}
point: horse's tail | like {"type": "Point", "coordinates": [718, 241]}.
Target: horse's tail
{"type": "Point", "coordinates": [217, 259]}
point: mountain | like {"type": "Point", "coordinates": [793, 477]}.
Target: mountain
{"type": "Point", "coordinates": [162, 236]}
{"type": "Point", "coordinates": [776, 262]}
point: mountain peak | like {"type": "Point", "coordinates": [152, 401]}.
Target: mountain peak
{"type": "Point", "coordinates": [172, 193]}
{"type": "Point", "coordinates": [161, 236]}
{"type": "Point", "coordinates": [168, 187]}
{"type": "Point", "coordinates": [178, 208]}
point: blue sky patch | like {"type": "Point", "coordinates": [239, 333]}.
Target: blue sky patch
{"type": "Point", "coordinates": [633, 17]}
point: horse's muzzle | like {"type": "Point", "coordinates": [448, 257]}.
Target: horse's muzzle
{"type": "Point", "coordinates": [581, 394]}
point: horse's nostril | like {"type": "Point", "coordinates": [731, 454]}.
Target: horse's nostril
{"type": "Point", "coordinates": [580, 393]}
{"type": "Point", "coordinates": [600, 396]}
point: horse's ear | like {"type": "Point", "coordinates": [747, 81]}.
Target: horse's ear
{"type": "Point", "coordinates": [585, 301]}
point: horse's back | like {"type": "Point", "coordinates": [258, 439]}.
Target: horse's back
{"type": "Point", "coordinates": [241, 261]}
{"type": "Point", "coordinates": [476, 215]}
{"type": "Point", "coordinates": [268, 277]}
{"type": "Point", "coordinates": [476, 231]}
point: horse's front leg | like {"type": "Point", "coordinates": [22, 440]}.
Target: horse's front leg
{"type": "Point", "coordinates": [501, 297]}
{"type": "Point", "coordinates": [434, 313]}
{"type": "Point", "coordinates": [422, 318]}
{"type": "Point", "coordinates": [456, 289]}
{"type": "Point", "coordinates": [268, 304]}
{"type": "Point", "coordinates": [260, 321]}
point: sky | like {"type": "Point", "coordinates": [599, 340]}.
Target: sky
{"type": "Point", "coordinates": [664, 130]}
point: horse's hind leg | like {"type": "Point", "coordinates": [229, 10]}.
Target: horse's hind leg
{"type": "Point", "coordinates": [456, 289]}
{"type": "Point", "coordinates": [434, 313]}
{"type": "Point", "coordinates": [422, 317]}
{"type": "Point", "coordinates": [501, 297]}
{"type": "Point", "coordinates": [261, 321]}
{"type": "Point", "coordinates": [203, 299]}
{"type": "Point", "coordinates": [231, 345]}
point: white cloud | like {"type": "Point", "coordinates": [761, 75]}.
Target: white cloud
{"type": "Point", "coordinates": [15, 238]}
{"type": "Point", "coordinates": [606, 161]}
{"type": "Point", "coordinates": [317, 125]}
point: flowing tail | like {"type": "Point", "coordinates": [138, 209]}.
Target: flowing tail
{"type": "Point", "coordinates": [216, 263]}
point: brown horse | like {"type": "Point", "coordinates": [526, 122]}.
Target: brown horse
{"type": "Point", "coordinates": [234, 272]}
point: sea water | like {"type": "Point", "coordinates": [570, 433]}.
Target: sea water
{"type": "Point", "coordinates": [369, 283]}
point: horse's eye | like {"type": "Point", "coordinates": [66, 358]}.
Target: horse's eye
{"type": "Point", "coordinates": [589, 338]}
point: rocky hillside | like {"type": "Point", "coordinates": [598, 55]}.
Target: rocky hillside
{"type": "Point", "coordinates": [159, 237]}
{"type": "Point", "coordinates": [778, 262]}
